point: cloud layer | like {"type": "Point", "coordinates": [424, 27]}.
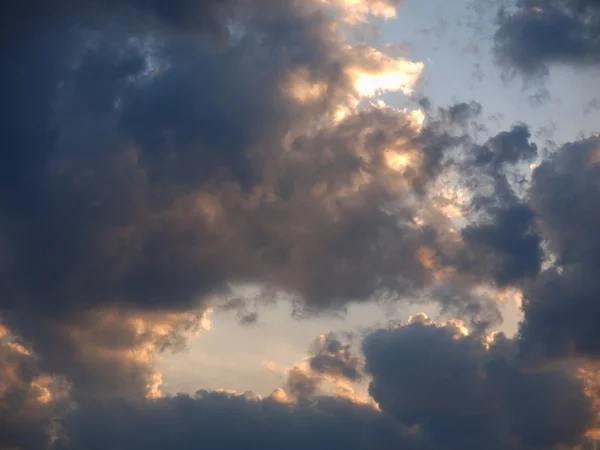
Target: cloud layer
{"type": "Point", "coordinates": [159, 153]}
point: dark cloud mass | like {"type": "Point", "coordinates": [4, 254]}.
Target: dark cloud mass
{"type": "Point", "coordinates": [561, 307]}
{"type": "Point", "coordinates": [235, 422]}
{"type": "Point", "coordinates": [436, 388]}
{"type": "Point", "coordinates": [151, 175]}
{"type": "Point", "coordinates": [163, 174]}
{"type": "Point", "coordinates": [507, 147]}
{"type": "Point", "coordinates": [157, 153]}
{"type": "Point", "coordinates": [464, 395]}
{"type": "Point", "coordinates": [507, 249]}
{"type": "Point", "coordinates": [502, 241]}
{"type": "Point", "coordinates": [541, 33]}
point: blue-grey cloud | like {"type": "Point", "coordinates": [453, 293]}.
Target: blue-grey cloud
{"type": "Point", "coordinates": [502, 242]}
{"type": "Point", "coordinates": [464, 395]}
{"type": "Point", "coordinates": [561, 304]}
{"type": "Point", "coordinates": [155, 153]}
{"type": "Point", "coordinates": [232, 421]}
{"type": "Point", "coordinates": [539, 34]}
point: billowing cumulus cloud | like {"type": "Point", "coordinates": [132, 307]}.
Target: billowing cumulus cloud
{"type": "Point", "coordinates": [144, 174]}
{"type": "Point", "coordinates": [164, 174]}
{"type": "Point", "coordinates": [561, 304]}
{"type": "Point", "coordinates": [436, 386]}
{"type": "Point", "coordinates": [152, 176]}
{"type": "Point", "coordinates": [465, 392]}
{"type": "Point", "coordinates": [159, 154]}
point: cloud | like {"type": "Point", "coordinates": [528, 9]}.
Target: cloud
{"type": "Point", "coordinates": [464, 392]}
{"type": "Point", "coordinates": [560, 305]}
{"type": "Point", "coordinates": [507, 249]}
{"type": "Point", "coordinates": [539, 34]}
{"type": "Point", "coordinates": [331, 367]}
{"type": "Point", "coordinates": [461, 112]}
{"type": "Point", "coordinates": [107, 353]}
{"type": "Point", "coordinates": [235, 421]}
{"type": "Point", "coordinates": [335, 359]}
{"type": "Point", "coordinates": [146, 176]}
{"type": "Point", "coordinates": [502, 240]}
{"type": "Point", "coordinates": [357, 11]}
{"type": "Point", "coordinates": [196, 179]}
{"type": "Point", "coordinates": [379, 73]}
{"type": "Point", "coordinates": [303, 383]}
{"type": "Point", "coordinates": [161, 152]}
{"type": "Point", "coordinates": [184, 180]}
{"type": "Point", "coordinates": [31, 401]}
{"type": "Point", "coordinates": [436, 386]}
{"type": "Point", "coordinates": [507, 147]}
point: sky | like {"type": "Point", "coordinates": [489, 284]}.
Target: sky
{"type": "Point", "coordinates": [327, 224]}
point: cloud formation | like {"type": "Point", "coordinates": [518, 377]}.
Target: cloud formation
{"type": "Point", "coordinates": [331, 367]}
{"type": "Point", "coordinates": [194, 177]}
{"type": "Point", "coordinates": [236, 421]}
{"type": "Point", "coordinates": [335, 359]}
{"type": "Point", "coordinates": [30, 400]}
{"type": "Point", "coordinates": [436, 386]}
{"type": "Point", "coordinates": [502, 240]}
{"type": "Point", "coordinates": [463, 392]}
{"type": "Point", "coordinates": [560, 305]}
{"type": "Point", "coordinates": [535, 35]}
{"type": "Point", "coordinates": [160, 152]}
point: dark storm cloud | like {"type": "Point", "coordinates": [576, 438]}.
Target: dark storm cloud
{"type": "Point", "coordinates": [493, 169]}
{"type": "Point", "coordinates": [233, 422]}
{"type": "Point", "coordinates": [451, 388]}
{"type": "Point", "coordinates": [149, 164]}
{"type": "Point", "coordinates": [38, 40]}
{"type": "Point", "coordinates": [463, 395]}
{"type": "Point", "coordinates": [151, 174]}
{"type": "Point", "coordinates": [149, 129]}
{"type": "Point", "coordinates": [459, 394]}
{"type": "Point", "coordinates": [187, 124]}
{"type": "Point", "coordinates": [507, 147]}
{"type": "Point", "coordinates": [504, 242]}
{"type": "Point", "coordinates": [508, 249]}
{"type": "Point", "coordinates": [544, 33]}
{"type": "Point", "coordinates": [561, 306]}
{"type": "Point", "coordinates": [163, 175]}
{"type": "Point", "coordinates": [158, 151]}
